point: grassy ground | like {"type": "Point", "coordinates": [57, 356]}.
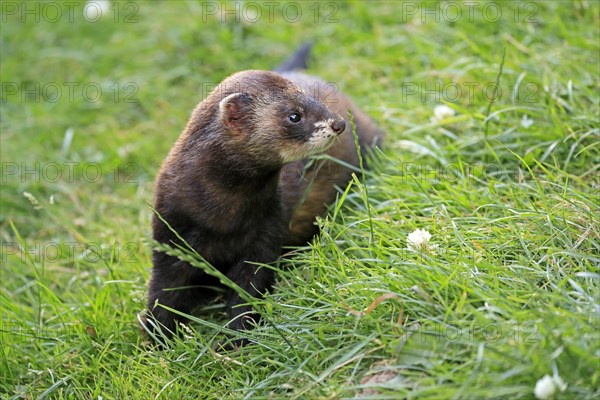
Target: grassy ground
{"type": "Point", "coordinates": [507, 188]}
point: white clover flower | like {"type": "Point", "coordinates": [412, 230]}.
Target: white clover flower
{"type": "Point", "coordinates": [526, 122]}
{"type": "Point", "coordinates": [419, 241]}
{"type": "Point", "coordinates": [96, 9]}
{"type": "Point", "coordinates": [441, 112]}
{"type": "Point", "coordinates": [545, 387]}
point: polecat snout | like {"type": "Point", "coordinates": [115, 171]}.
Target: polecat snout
{"type": "Point", "coordinates": [233, 185]}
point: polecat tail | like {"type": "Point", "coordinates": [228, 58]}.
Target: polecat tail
{"type": "Point", "coordinates": [298, 60]}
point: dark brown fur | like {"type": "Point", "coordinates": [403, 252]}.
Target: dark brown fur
{"type": "Point", "coordinates": [330, 174]}
{"type": "Point", "coordinates": [226, 188]}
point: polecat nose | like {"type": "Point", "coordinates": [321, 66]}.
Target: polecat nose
{"type": "Point", "coordinates": [338, 126]}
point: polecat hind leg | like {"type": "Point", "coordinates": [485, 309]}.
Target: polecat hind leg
{"type": "Point", "coordinates": [255, 281]}
{"type": "Point", "coordinates": [175, 285]}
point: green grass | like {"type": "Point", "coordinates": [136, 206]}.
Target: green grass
{"type": "Point", "coordinates": [511, 292]}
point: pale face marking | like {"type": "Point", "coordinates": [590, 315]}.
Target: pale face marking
{"type": "Point", "coordinates": [320, 140]}
{"type": "Point", "coordinates": [323, 134]}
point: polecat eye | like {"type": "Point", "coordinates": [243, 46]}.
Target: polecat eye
{"type": "Point", "coordinates": [295, 118]}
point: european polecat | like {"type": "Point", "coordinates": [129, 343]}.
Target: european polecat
{"type": "Point", "coordinates": [233, 185]}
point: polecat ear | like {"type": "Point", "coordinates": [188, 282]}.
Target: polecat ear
{"type": "Point", "coordinates": [234, 109]}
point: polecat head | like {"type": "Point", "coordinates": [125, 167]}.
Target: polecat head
{"type": "Point", "coordinates": [274, 118]}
